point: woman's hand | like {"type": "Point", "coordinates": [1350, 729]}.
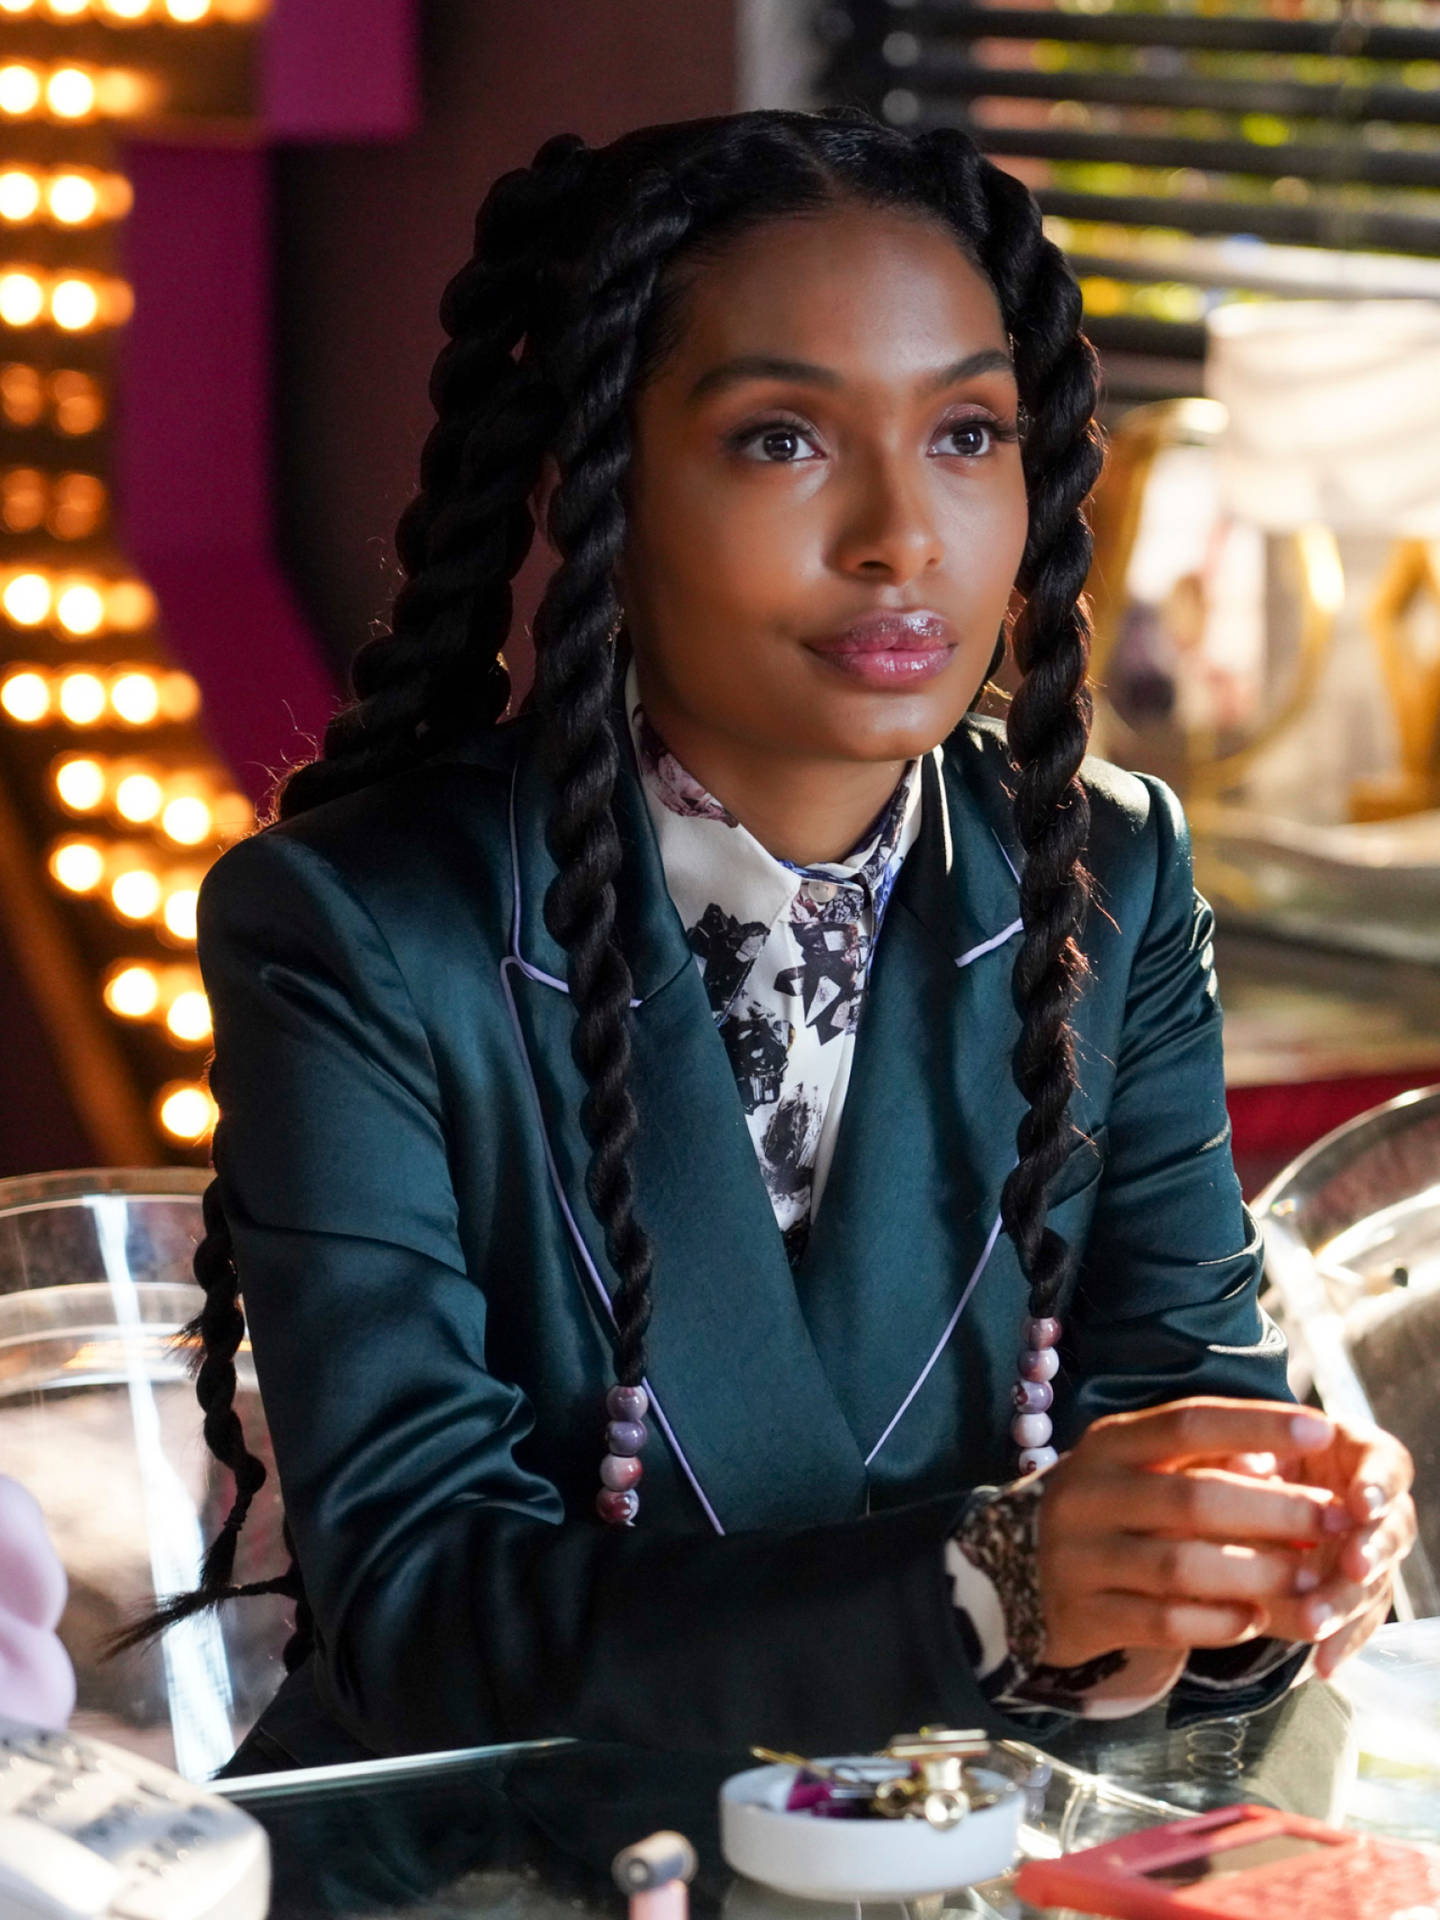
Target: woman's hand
{"type": "Point", "coordinates": [1157, 1532]}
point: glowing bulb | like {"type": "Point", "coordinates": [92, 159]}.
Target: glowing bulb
{"type": "Point", "coordinates": [70, 93]}
{"type": "Point", "coordinates": [187, 820]}
{"type": "Point", "coordinates": [19, 194]}
{"type": "Point", "coordinates": [22, 398]}
{"type": "Point", "coordinates": [72, 199]}
{"type": "Point", "coordinates": [189, 1017]}
{"type": "Point", "coordinates": [234, 815]}
{"type": "Point", "coordinates": [187, 12]}
{"type": "Point", "coordinates": [26, 599]}
{"type": "Point", "coordinates": [26, 697]}
{"type": "Point", "coordinates": [180, 912]}
{"type": "Point", "coordinates": [82, 698]}
{"type": "Point", "coordinates": [133, 992]}
{"type": "Point", "coordinates": [127, 9]}
{"type": "Point", "coordinates": [74, 305]}
{"type": "Point", "coordinates": [80, 610]}
{"type": "Point", "coordinates": [19, 89]}
{"type": "Point", "coordinates": [22, 499]}
{"type": "Point", "coordinates": [17, 6]}
{"type": "Point", "coordinates": [68, 9]}
{"type": "Point", "coordinates": [135, 893]}
{"type": "Point", "coordinates": [139, 797]}
{"type": "Point", "coordinates": [78, 865]}
{"type": "Point", "coordinates": [79, 404]}
{"type": "Point", "coordinates": [80, 784]}
{"type": "Point", "coordinates": [76, 507]}
{"type": "Point", "coordinates": [187, 1111]}
{"type": "Point", "coordinates": [22, 299]}
{"type": "Point", "coordinates": [179, 696]}
{"type": "Point", "coordinates": [120, 93]}
{"type": "Point", "coordinates": [136, 698]}
{"type": "Point", "coordinates": [130, 603]}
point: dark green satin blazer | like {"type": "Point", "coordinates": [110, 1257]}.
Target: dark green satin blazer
{"type": "Point", "coordinates": [402, 1166]}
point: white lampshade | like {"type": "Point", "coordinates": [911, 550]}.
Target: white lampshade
{"type": "Point", "coordinates": [1333, 413]}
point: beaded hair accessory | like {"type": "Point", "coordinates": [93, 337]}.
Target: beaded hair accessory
{"type": "Point", "coordinates": [1033, 1393]}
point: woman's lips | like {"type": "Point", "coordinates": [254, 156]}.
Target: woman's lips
{"type": "Point", "coordinates": [889, 649]}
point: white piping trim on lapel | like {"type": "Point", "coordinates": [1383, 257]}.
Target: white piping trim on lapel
{"type": "Point", "coordinates": [530, 973]}
{"type": "Point", "coordinates": [989, 946]}
{"type": "Point", "coordinates": [513, 959]}
{"type": "Point", "coordinates": [942, 1342]}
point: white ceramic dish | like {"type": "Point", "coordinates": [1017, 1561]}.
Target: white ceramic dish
{"type": "Point", "coordinates": [818, 1859]}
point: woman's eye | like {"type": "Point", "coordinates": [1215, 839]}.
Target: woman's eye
{"type": "Point", "coordinates": [973, 437]}
{"type": "Point", "coordinates": [774, 443]}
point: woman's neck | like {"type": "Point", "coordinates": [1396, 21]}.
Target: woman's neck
{"type": "Point", "coordinates": [804, 811]}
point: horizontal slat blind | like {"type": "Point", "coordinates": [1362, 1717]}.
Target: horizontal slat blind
{"type": "Point", "coordinates": [1182, 152]}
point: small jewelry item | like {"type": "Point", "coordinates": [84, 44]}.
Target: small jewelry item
{"type": "Point", "coordinates": [1033, 1394]}
{"type": "Point", "coordinates": [617, 1502]}
{"type": "Point", "coordinates": [933, 1785]}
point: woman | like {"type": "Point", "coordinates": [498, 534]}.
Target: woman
{"type": "Point", "coordinates": [804, 408]}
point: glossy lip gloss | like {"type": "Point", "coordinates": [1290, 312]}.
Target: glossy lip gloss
{"type": "Point", "coordinates": [890, 650]}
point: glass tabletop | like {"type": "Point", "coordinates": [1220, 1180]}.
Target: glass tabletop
{"type": "Point", "coordinates": [527, 1832]}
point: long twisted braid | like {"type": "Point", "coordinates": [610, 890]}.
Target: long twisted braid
{"type": "Point", "coordinates": [555, 320]}
{"type": "Point", "coordinates": [1049, 718]}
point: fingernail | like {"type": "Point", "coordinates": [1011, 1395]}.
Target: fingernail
{"type": "Point", "coordinates": [1376, 1500]}
{"type": "Point", "coordinates": [1307, 1579]}
{"type": "Point", "coordinates": [1336, 1519]}
{"type": "Point", "coordinates": [1309, 1430]}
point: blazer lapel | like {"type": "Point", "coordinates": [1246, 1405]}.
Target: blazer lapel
{"type": "Point", "coordinates": [908, 1229]}
{"type": "Point", "coordinates": [740, 1389]}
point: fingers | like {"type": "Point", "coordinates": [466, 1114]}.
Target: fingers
{"type": "Point", "coordinates": [1202, 1503]}
{"type": "Point", "coordinates": [1353, 1636]}
{"type": "Point", "coordinates": [1198, 1570]}
{"type": "Point", "coordinates": [1136, 1620]}
{"type": "Point", "coordinates": [1378, 1548]}
{"type": "Point", "coordinates": [1208, 1429]}
{"type": "Point", "coordinates": [1382, 1472]}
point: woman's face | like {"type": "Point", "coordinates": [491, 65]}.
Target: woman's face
{"type": "Point", "coordinates": [831, 440]}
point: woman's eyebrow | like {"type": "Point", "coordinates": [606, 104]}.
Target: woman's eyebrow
{"type": "Point", "coordinates": [765, 366]}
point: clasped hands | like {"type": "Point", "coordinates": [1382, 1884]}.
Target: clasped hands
{"type": "Point", "coordinates": [1210, 1522]}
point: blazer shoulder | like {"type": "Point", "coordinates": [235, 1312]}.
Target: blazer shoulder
{"type": "Point", "coordinates": [1138, 830]}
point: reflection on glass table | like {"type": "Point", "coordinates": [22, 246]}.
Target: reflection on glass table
{"type": "Point", "coordinates": [529, 1832]}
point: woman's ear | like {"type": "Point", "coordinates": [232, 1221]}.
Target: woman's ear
{"type": "Point", "coordinates": [541, 495]}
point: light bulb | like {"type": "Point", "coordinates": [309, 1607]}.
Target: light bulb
{"type": "Point", "coordinates": [136, 698]}
{"type": "Point", "coordinates": [72, 199]}
{"type": "Point", "coordinates": [80, 784]}
{"type": "Point", "coordinates": [187, 1111]}
{"type": "Point", "coordinates": [74, 305]}
{"type": "Point", "coordinates": [22, 299]}
{"type": "Point", "coordinates": [126, 9]}
{"type": "Point", "coordinates": [26, 599]}
{"type": "Point", "coordinates": [77, 504]}
{"type": "Point", "coordinates": [180, 912]}
{"type": "Point", "coordinates": [129, 603]}
{"type": "Point", "coordinates": [133, 992]}
{"type": "Point", "coordinates": [22, 397]}
{"type": "Point", "coordinates": [234, 815]}
{"type": "Point", "coordinates": [17, 6]}
{"type": "Point", "coordinates": [26, 697]}
{"type": "Point", "coordinates": [139, 796]}
{"type": "Point", "coordinates": [135, 893]}
{"type": "Point", "coordinates": [179, 696]}
{"type": "Point", "coordinates": [70, 93]}
{"type": "Point", "coordinates": [80, 610]}
{"type": "Point", "coordinates": [120, 93]}
{"type": "Point", "coordinates": [79, 403]}
{"type": "Point", "coordinates": [82, 698]}
{"type": "Point", "coordinates": [19, 194]}
{"type": "Point", "coordinates": [19, 89]}
{"type": "Point", "coordinates": [187, 12]}
{"type": "Point", "coordinates": [78, 865]}
{"type": "Point", "coordinates": [189, 1017]}
{"type": "Point", "coordinates": [188, 820]}
{"type": "Point", "coordinates": [22, 499]}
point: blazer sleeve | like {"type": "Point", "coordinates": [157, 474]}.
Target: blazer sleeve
{"type": "Point", "coordinates": [1166, 1302]}
{"type": "Point", "coordinates": [454, 1602]}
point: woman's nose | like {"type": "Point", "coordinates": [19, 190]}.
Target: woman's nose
{"type": "Point", "coordinates": [890, 526]}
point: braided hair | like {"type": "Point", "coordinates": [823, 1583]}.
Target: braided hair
{"type": "Point", "coordinates": [571, 298]}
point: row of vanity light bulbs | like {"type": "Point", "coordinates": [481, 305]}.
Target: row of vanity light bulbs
{"type": "Point", "coordinates": [129, 13]}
